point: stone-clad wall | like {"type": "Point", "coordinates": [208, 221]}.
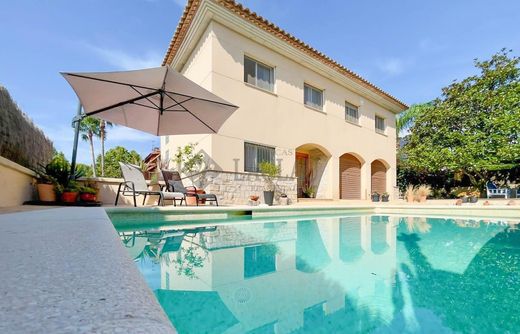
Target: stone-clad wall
{"type": "Point", "coordinates": [236, 187]}
{"type": "Point", "coordinates": [249, 234]}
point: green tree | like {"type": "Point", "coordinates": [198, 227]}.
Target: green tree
{"type": "Point", "coordinates": [473, 129]}
{"type": "Point", "coordinates": [84, 169]}
{"type": "Point", "coordinates": [189, 161]}
{"type": "Point", "coordinates": [406, 119]}
{"type": "Point", "coordinates": [116, 155]}
{"type": "Point", "coordinates": [102, 137]}
{"type": "Point", "coordinates": [89, 128]}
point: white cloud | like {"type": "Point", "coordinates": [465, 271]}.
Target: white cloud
{"type": "Point", "coordinates": [391, 66]}
{"type": "Point", "coordinates": [126, 61]}
{"type": "Point", "coordinates": [428, 45]}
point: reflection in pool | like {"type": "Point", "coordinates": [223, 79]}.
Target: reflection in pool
{"type": "Point", "coordinates": [351, 274]}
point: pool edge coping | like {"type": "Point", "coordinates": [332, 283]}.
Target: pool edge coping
{"type": "Point", "coordinates": [113, 299]}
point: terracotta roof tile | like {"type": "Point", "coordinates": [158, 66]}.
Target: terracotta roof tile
{"type": "Point", "coordinates": [193, 5]}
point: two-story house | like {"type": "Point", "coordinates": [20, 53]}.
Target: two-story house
{"type": "Point", "coordinates": [327, 127]}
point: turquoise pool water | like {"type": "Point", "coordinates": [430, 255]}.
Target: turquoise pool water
{"type": "Point", "coordinates": [342, 274]}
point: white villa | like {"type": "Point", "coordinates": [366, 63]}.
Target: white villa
{"type": "Point", "coordinates": [326, 127]}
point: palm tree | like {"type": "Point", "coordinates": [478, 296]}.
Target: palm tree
{"type": "Point", "coordinates": [90, 128]}
{"type": "Point", "coordinates": [102, 136]}
{"type": "Point", "coordinates": [406, 119]}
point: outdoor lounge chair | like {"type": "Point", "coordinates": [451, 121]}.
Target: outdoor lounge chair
{"type": "Point", "coordinates": [493, 191]}
{"type": "Point", "coordinates": [135, 184]}
{"type": "Point", "coordinates": [174, 183]}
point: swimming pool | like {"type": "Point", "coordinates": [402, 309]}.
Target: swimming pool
{"type": "Point", "coordinates": [332, 274]}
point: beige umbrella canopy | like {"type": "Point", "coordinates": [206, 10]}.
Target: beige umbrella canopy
{"type": "Point", "coordinates": [157, 100]}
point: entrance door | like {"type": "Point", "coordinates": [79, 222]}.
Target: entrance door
{"type": "Point", "coordinates": [349, 177]}
{"type": "Point", "coordinates": [301, 171]}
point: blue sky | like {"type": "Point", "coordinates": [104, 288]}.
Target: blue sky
{"type": "Point", "coordinates": [409, 48]}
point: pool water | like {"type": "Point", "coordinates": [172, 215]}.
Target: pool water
{"type": "Point", "coordinates": [342, 274]}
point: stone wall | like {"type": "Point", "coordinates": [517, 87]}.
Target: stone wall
{"type": "Point", "coordinates": [227, 236]}
{"type": "Point", "coordinates": [230, 187]}
{"type": "Point", "coordinates": [236, 187]}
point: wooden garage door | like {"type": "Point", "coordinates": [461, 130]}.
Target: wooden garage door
{"type": "Point", "coordinates": [349, 177]}
{"type": "Point", "coordinates": [378, 177]}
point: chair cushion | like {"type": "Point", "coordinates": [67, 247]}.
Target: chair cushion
{"type": "Point", "coordinates": [177, 186]}
{"type": "Point", "coordinates": [206, 196]}
{"type": "Point", "coordinates": [491, 185]}
{"type": "Point", "coordinates": [169, 195]}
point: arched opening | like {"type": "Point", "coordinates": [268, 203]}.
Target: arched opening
{"type": "Point", "coordinates": [378, 239]}
{"type": "Point", "coordinates": [378, 177]}
{"type": "Point", "coordinates": [310, 165]}
{"type": "Point", "coordinates": [349, 177]}
{"type": "Point", "coordinates": [311, 253]}
{"type": "Point", "coordinates": [350, 248]}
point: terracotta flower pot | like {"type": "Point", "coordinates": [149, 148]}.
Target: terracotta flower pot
{"type": "Point", "coordinates": [409, 199]}
{"type": "Point", "coordinates": [69, 197]}
{"type": "Point", "coordinates": [46, 192]}
{"type": "Point", "coordinates": [202, 201]}
{"type": "Point", "coordinates": [422, 199]}
{"type": "Point", "coordinates": [86, 197]}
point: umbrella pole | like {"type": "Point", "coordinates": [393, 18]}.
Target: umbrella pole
{"type": "Point", "coordinates": [75, 121]}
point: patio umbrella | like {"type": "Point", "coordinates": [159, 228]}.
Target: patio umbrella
{"type": "Point", "coordinates": [157, 100]}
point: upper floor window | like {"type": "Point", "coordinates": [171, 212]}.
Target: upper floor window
{"type": "Point", "coordinates": [351, 113]}
{"type": "Point", "coordinates": [255, 154]}
{"type": "Point", "coordinates": [313, 97]}
{"type": "Point", "coordinates": [380, 124]}
{"type": "Point", "coordinates": [166, 139]}
{"type": "Point", "coordinates": [258, 74]}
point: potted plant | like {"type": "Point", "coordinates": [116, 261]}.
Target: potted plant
{"type": "Point", "coordinates": [463, 196]}
{"type": "Point", "coordinates": [473, 196]}
{"type": "Point", "coordinates": [375, 196]}
{"type": "Point", "coordinates": [423, 192]}
{"type": "Point", "coordinates": [70, 192]}
{"type": "Point", "coordinates": [87, 194]}
{"type": "Point", "coordinates": [309, 191]}
{"type": "Point", "coordinates": [409, 194]}
{"type": "Point", "coordinates": [385, 196]}
{"type": "Point", "coordinates": [45, 187]}
{"type": "Point", "coordinates": [51, 177]}
{"type": "Point", "coordinates": [284, 200]}
{"type": "Point", "coordinates": [270, 171]}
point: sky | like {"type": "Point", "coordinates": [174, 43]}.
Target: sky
{"type": "Point", "coordinates": [409, 48]}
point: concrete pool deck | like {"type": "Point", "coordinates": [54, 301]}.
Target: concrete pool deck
{"type": "Point", "coordinates": [65, 270]}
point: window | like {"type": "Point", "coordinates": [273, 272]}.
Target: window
{"type": "Point", "coordinates": [351, 113]}
{"type": "Point", "coordinates": [380, 124]}
{"type": "Point", "coordinates": [258, 74]}
{"type": "Point", "coordinates": [166, 139]}
{"type": "Point", "coordinates": [313, 97]}
{"type": "Point", "coordinates": [255, 154]}
{"type": "Point", "coordinates": [259, 260]}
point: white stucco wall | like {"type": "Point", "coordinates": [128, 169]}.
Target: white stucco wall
{"type": "Point", "coordinates": [16, 183]}
{"type": "Point", "coordinates": [280, 119]}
